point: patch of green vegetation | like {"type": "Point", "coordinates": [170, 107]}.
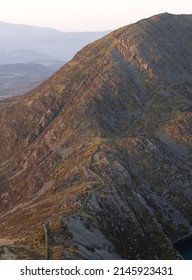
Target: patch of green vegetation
{"type": "Point", "coordinates": [62, 168]}
{"type": "Point", "coordinates": [36, 241]}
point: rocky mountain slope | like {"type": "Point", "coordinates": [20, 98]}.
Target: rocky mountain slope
{"type": "Point", "coordinates": [95, 163]}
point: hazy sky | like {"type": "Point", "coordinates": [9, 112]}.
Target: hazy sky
{"type": "Point", "coordinates": [85, 15]}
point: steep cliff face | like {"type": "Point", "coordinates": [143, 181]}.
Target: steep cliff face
{"type": "Point", "coordinates": [101, 151]}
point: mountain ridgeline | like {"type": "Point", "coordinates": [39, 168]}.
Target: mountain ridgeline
{"type": "Point", "coordinates": [28, 44]}
{"type": "Point", "coordinates": [99, 154]}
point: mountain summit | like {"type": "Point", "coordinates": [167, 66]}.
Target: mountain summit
{"type": "Point", "coordinates": [97, 159]}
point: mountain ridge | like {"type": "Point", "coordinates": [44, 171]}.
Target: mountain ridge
{"type": "Point", "coordinates": [104, 148]}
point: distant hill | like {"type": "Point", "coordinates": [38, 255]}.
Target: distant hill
{"type": "Point", "coordinates": [24, 43]}
{"type": "Point", "coordinates": [22, 56]}
{"type": "Point", "coordinates": [17, 79]}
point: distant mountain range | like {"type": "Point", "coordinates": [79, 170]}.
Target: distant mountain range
{"type": "Point", "coordinates": [96, 162]}
{"type": "Point", "coordinates": [28, 54]}
{"type": "Point", "coordinates": [26, 44]}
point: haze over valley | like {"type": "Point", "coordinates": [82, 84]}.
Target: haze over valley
{"type": "Point", "coordinates": [29, 55]}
